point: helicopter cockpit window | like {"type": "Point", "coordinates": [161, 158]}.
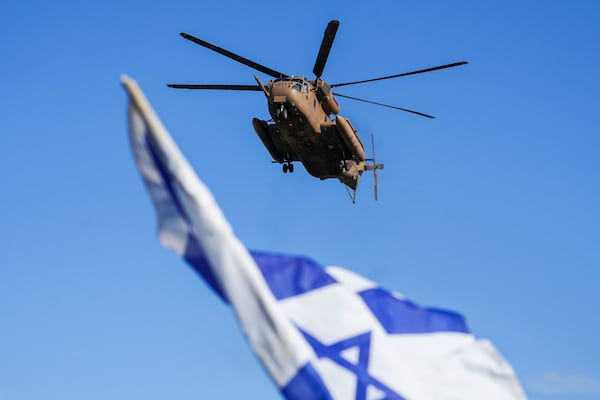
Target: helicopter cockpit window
{"type": "Point", "coordinates": [297, 87]}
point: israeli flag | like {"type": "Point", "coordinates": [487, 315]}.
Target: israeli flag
{"type": "Point", "coordinates": [321, 333]}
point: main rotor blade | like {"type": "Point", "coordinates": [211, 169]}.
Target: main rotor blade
{"type": "Point", "coordinates": [233, 56]}
{"type": "Point", "coordinates": [373, 149]}
{"type": "Point", "coordinates": [384, 105]}
{"type": "Point", "coordinates": [403, 74]}
{"type": "Point", "coordinates": [326, 43]}
{"type": "Point", "coordinates": [375, 183]}
{"type": "Point", "coordinates": [215, 87]}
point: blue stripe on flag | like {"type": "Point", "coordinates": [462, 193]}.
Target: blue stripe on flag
{"type": "Point", "coordinates": [165, 176]}
{"type": "Point", "coordinates": [195, 256]}
{"type": "Point", "coordinates": [403, 316]}
{"type": "Point", "coordinates": [289, 276]}
{"type": "Point", "coordinates": [306, 385]}
{"type": "Point", "coordinates": [285, 275]}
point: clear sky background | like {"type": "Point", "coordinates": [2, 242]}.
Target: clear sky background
{"type": "Point", "coordinates": [492, 209]}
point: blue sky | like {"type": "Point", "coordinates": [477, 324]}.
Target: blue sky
{"type": "Point", "coordinates": [492, 209]}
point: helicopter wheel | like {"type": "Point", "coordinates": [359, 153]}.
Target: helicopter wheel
{"type": "Point", "coordinates": [291, 167]}
{"type": "Point", "coordinates": [285, 168]}
{"type": "Point", "coordinates": [281, 113]}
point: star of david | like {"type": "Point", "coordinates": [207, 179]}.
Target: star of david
{"type": "Point", "coordinates": [361, 342]}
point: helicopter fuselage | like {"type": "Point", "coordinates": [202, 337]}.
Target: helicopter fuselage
{"type": "Point", "coordinates": [304, 129]}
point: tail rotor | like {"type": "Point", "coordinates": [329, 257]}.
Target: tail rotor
{"type": "Point", "coordinates": [374, 166]}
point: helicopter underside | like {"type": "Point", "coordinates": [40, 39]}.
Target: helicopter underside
{"type": "Point", "coordinates": [324, 154]}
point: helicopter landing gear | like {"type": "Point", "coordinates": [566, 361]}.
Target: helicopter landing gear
{"type": "Point", "coordinates": [345, 165]}
{"type": "Point", "coordinates": [288, 166]}
{"type": "Point", "coordinates": [281, 112]}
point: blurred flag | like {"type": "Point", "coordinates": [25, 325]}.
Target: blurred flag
{"type": "Point", "coordinates": [320, 333]}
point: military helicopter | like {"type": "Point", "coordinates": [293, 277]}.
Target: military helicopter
{"type": "Point", "coordinates": [305, 125]}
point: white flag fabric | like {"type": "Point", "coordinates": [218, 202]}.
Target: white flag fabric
{"type": "Point", "coordinates": [321, 333]}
